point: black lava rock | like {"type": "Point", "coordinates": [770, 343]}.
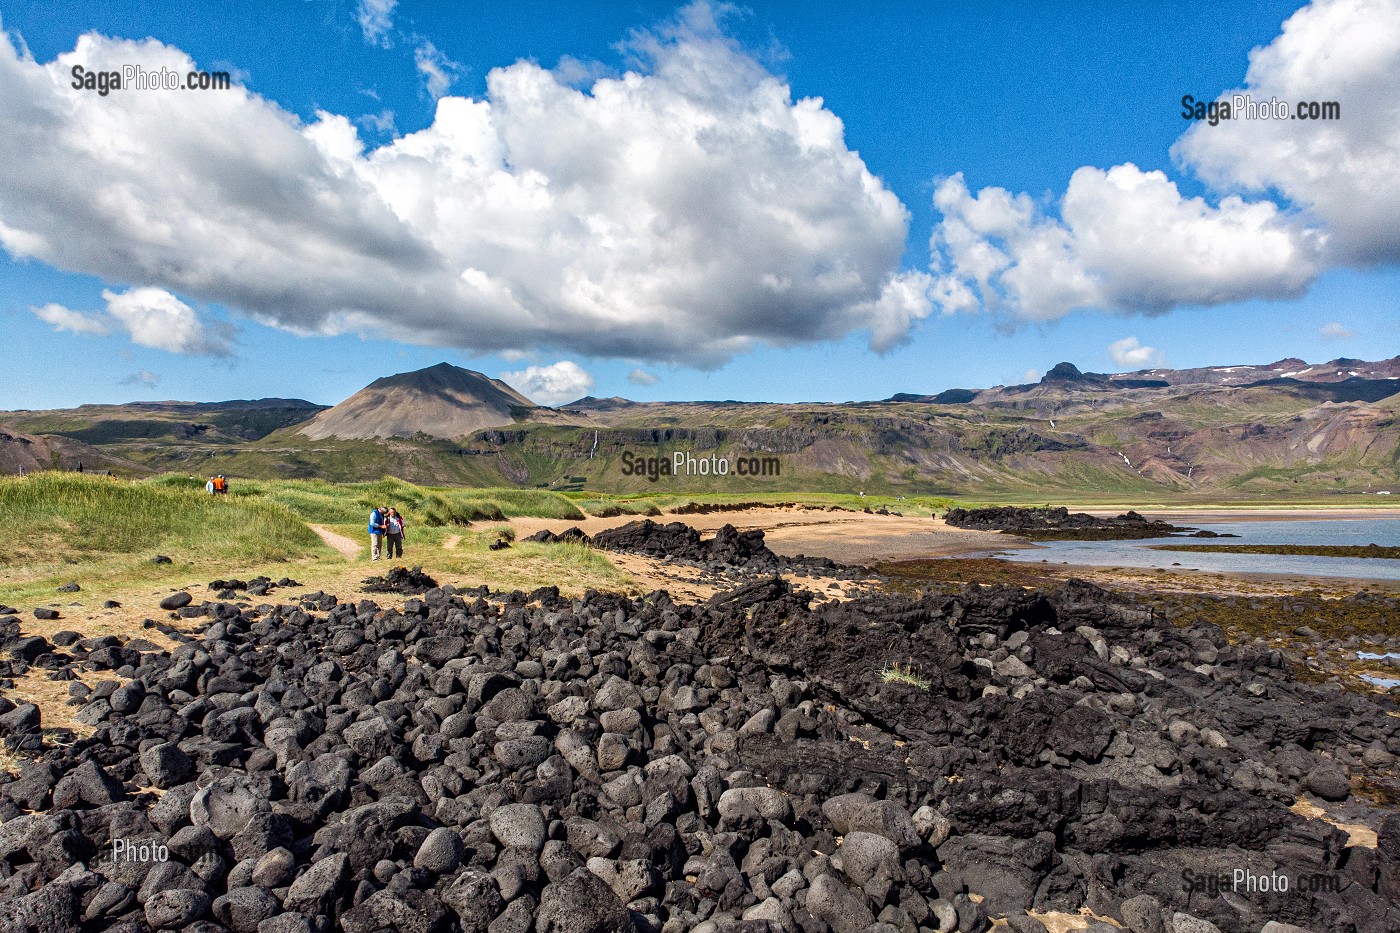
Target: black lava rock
{"type": "Point", "coordinates": [497, 762]}
{"type": "Point", "coordinates": [176, 601]}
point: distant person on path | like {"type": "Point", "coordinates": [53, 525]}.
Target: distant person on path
{"type": "Point", "coordinates": [377, 520]}
{"type": "Point", "coordinates": [218, 486]}
{"type": "Point", "coordinates": [393, 531]}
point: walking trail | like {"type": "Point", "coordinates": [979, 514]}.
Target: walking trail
{"type": "Point", "coordinates": [347, 548]}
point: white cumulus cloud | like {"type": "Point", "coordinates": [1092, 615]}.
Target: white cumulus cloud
{"type": "Point", "coordinates": [1344, 173]}
{"type": "Point", "coordinates": [683, 212]}
{"type": "Point", "coordinates": [1126, 240]}
{"type": "Point", "coordinates": [376, 18]}
{"type": "Point", "coordinates": [78, 322]}
{"type": "Point", "coordinates": [554, 384]}
{"type": "Point", "coordinates": [1130, 354]}
{"type": "Point", "coordinates": [156, 318]}
{"type": "Point", "coordinates": [1335, 330]}
{"type": "Point", "coordinates": [1290, 198]}
{"type": "Point", "coordinates": [640, 377]}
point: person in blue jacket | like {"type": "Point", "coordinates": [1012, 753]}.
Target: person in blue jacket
{"type": "Point", "coordinates": [377, 522]}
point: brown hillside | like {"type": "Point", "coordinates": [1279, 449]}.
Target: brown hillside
{"type": "Point", "coordinates": [443, 401]}
{"type": "Point", "coordinates": [32, 452]}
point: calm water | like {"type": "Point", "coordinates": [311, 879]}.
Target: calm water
{"type": "Point", "coordinates": [1386, 682]}
{"type": "Point", "coordinates": [1382, 531]}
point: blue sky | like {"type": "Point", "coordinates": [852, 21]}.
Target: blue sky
{"type": "Point", "coordinates": [1271, 262]}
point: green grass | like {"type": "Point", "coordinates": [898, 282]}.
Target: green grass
{"type": "Point", "coordinates": [90, 515]}
{"type": "Point", "coordinates": [324, 502]}
{"type": "Point", "coordinates": [533, 503]}
{"type": "Point", "coordinates": [643, 504]}
{"type": "Point", "coordinates": [609, 507]}
{"type": "Point", "coordinates": [103, 532]}
{"type": "Point", "coordinates": [909, 675]}
{"type": "Point", "coordinates": [105, 529]}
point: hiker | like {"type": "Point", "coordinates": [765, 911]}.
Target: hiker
{"type": "Point", "coordinates": [376, 531]}
{"type": "Point", "coordinates": [393, 533]}
{"type": "Point", "coordinates": [218, 486]}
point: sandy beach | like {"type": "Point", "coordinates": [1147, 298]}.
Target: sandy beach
{"type": "Point", "coordinates": [858, 537]}
{"type": "Point", "coordinates": [847, 537]}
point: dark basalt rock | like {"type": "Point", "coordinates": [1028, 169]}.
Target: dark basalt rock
{"type": "Point", "coordinates": [573, 535]}
{"type": "Point", "coordinates": [729, 549]}
{"type": "Point", "coordinates": [20, 720]}
{"type": "Point", "coordinates": [176, 601]}
{"type": "Point", "coordinates": [30, 648]}
{"type": "Point", "coordinates": [491, 762]}
{"type": "Point", "coordinates": [1060, 524]}
{"type": "Point", "coordinates": [411, 582]}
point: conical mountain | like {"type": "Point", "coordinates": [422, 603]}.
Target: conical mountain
{"type": "Point", "coordinates": [443, 401]}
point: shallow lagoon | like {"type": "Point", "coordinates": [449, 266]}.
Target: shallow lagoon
{"type": "Point", "coordinates": [1139, 554]}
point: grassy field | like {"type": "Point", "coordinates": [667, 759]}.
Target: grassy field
{"type": "Point", "coordinates": [110, 529]}
{"type": "Point", "coordinates": [103, 532]}
{"type": "Point", "coordinates": [643, 504]}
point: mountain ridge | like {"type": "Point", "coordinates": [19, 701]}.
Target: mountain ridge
{"type": "Point", "coordinates": [1300, 429]}
{"type": "Point", "coordinates": [441, 401]}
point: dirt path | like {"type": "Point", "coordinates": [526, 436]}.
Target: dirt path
{"type": "Point", "coordinates": [347, 548]}
{"type": "Point", "coordinates": [451, 542]}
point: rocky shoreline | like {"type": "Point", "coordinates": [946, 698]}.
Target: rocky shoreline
{"type": "Point", "coordinates": [1060, 524]}
{"type": "Point", "coordinates": [507, 762]}
{"type": "Point", "coordinates": [728, 551]}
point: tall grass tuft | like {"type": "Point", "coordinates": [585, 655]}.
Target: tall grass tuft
{"type": "Point", "coordinates": [90, 516]}
{"type": "Point", "coordinates": [530, 503]}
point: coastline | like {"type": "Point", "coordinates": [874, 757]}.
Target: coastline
{"type": "Point", "coordinates": [843, 536]}
{"type": "Point", "coordinates": [1208, 515]}
{"type": "Point", "coordinates": [862, 538]}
